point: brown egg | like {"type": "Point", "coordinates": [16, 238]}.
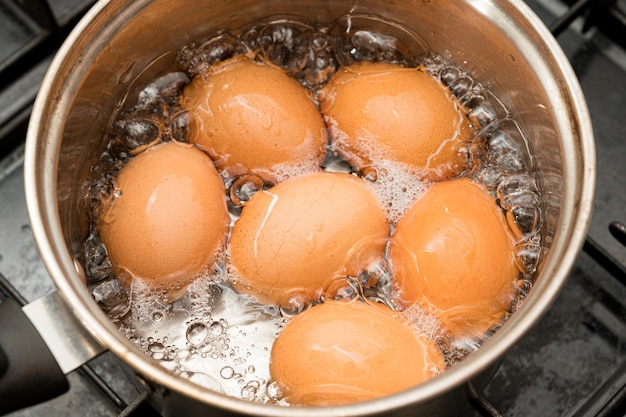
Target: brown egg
{"type": "Point", "coordinates": [170, 218]}
{"type": "Point", "coordinates": [341, 352]}
{"type": "Point", "coordinates": [254, 118]}
{"type": "Point", "coordinates": [454, 253]}
{"type": "Point", "coordinates": [294, 238]}
{"type": "Point", "coordinates": [384, 112]}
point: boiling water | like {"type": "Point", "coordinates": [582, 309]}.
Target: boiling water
{"type": "Point", "coordinates": [221, 339]}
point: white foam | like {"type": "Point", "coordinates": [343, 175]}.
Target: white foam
{"type": "Point", "coordinates": [397, 187]}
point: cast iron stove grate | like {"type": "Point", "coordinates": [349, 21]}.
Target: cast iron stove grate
{"type": "Point", "coordinates": [35, 30]}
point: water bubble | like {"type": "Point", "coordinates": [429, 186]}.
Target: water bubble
{"type": "Point", "coordinates": [197, 58]}
{"type": "Point", "coordinates": [156, 350]}
{"type": "Point", "coordinates": [286, 44]}
{"type": "Point", "coordinates": [369, 173]}
{"type": "Point", "coordinates": [139, 134]}
{"type": "Point", "coordinates": [449, 75]}
{"type": "Point", "coordinates": [197, 334]}
{"type": "Point", "coordinates": [512, 184]}
{"type": "Point", "coordinates": [227, 372]}
{"type": "Point", "coordinates": [97, 264]}
{"type": "Point", "coordinates": [298, 48]}
{"type": "Point", "coordinates": [294, 302]}
{"type": "Point", "coordinates": [157, 98]}
{"type": "Point", "coordinates": [528, 252]}
{"type": "Point", "coordinates": [507, 147]}
{"type": "Point", "coordinates": [273, 390]}
{"type": "Point", "coordinates": [525, 219]}
{"type": "Point", "coordinates": [179, 126]}
{"type": "Point", "coordinates": [368, 38]}
{"type": "Point", "coordinates": [487, 175]}
{"type": "Point", "coordinates": [524, 198]}
{"type": "Point", "coordinates": [112, 297]}
{"type": "Point", "coordinates": [216, 329]}
{"type": "Point", "coordinates": [517, 191]}
{"type": "Point", "coordinates": [461, 86]}
{"type": "Point", "coordinates": [249, 391]}
{"type": "Point", "coordinates": [157, 316]}
{"type": "Point", "coordinates": [481, 113]}
{"type": "Point", "coordinates": [243, 188]}
{"type": "Point", "coordinates": [343, 289]}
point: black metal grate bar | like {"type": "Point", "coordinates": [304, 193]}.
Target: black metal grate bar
{"type": "Point", "coordinates": [611, 402]}
{"type": "Point", "coordinates": [605, 259]}
{"type": "Point", "coordinates": [618, 230]}
{"type": "Point", "coordinates": [578, 9]}
{"type": "Point", "coordinates": [47, 39]}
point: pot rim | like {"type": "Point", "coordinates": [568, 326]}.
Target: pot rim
{"type": "Point", "coordinates": [40, 164]}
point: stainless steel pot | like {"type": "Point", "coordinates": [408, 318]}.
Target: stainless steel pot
{"type": "Point", "coordinates": [501, 43]}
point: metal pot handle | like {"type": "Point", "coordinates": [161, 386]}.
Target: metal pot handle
{"type": "Point", "coordinates": [39, 345]}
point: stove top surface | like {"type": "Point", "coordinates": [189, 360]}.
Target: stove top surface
{"type": "Point", "coordinates": [570, 364]}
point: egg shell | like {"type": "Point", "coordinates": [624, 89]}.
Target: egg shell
{"type": "Point", "coordinates": [170, 219]}
{"type": "Point", "coordinates": [341, 352]}
{"type": "Point", "coordinates": [378, 111]}
{"type": "Point", "coordinates": [292, 240]}
{"type": "Point", "coordinates": [453, 253]}
{"type": "Point", "coordinates": [254, 118]}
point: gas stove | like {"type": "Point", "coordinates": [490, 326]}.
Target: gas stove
{"type": "Point", "coordinates": [572, 363]}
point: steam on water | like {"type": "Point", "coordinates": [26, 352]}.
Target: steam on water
{"type": "Point", "coordinates": [220, 339]}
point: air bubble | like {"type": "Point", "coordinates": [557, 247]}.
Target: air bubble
{"type": "Point", "coordinates": [112, 297]}
{"type": "Point", "coordinates": [487, 175]}
{"type": "Point", "coordinates": [369, 173]}
{"type": "Point", "coordinates": [506, 147]}
{"type": "Point", "coordinates": [179, 126]}
{"type": "Point", "coordinates": [517, 191]}
{"type": "Point", "coordinates": [243, 188]}
{"type": "Point", "coordinates": [528, 252]}
{"type": "Point", "coordinates": [343, 289]}
{"type": "Point", "coordinates": [299, 49]}
{"type": "Point", "coordinates": [197, 334]}
{"type": "Point", "coordinates": [525, 219]}
{"type": "Point", "coordinates": [368, 38]}
{"type": "Point", "coordinates": [196, 59]}
{"type": "Point", "coordinates": [156, 350]}
{"type": "Point", "coordinates": [449, 75]}
{"type": "Point", "coordinates": [216, 329]}
{"type": "Point", "coordinates": [273, 390]}
{"type": "Point", "coordinates": [286, 44]}
{"type": "Point", "coordinates": [481, 113]}
{"type": "Point", "coordinates": [461, 86]}
{"type": "Point", "coordinates": [294, 302]}
{"type": "Point", "coordinates": [97, 263]}
{"type": "Point", "coordinates": [249, 391]}
{"type": "Point", "coordinates": [227, 372]}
